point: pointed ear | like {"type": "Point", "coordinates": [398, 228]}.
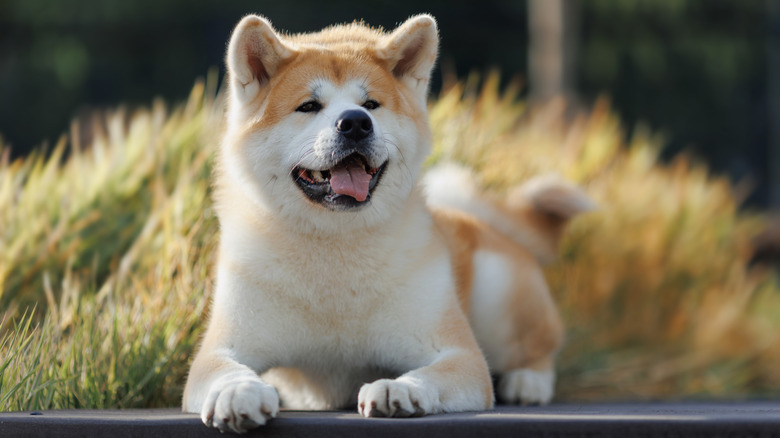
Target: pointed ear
{"type": "Point", "coordinates": [253, 56]}
{"type": "Point", "coordinates": [411, 51]}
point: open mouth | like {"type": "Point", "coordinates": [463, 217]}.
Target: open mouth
{"type": "Point", "coordinates": [347, 185]}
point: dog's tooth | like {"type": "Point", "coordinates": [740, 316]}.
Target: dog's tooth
{"type": "Point", "coordinates": [317, 176]}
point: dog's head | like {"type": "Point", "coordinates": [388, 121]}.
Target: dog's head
{"type": "Point", "coordinates": [330, 122]}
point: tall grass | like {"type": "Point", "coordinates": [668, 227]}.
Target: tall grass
{"type": "Point", "coordinates": [106, 251]}
{"type": "Point", "coordinates": [114, 242]}
{"type": "Point", "coordinates": [655, 285]}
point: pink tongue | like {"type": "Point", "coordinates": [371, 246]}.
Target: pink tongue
{"type": "Point", "coordinates": [350, 180]}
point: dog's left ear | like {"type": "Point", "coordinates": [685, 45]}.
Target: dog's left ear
{"type": "Point", "coordinates": [411, 51]}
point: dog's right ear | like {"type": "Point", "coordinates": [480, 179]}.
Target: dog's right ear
{"type": "Point", "coordinates": [254, 55]}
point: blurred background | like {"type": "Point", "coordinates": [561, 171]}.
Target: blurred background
{"type": "Point", "coordinates": [704, 73]}
{"type": "Point", "coordinates": [667, 291]}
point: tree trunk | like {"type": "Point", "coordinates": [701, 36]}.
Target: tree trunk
{"type": "Point", "coordinates": [551, 55]}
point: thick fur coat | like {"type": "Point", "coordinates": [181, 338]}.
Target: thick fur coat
{"type": "Point", "coordinates": [339, 282]}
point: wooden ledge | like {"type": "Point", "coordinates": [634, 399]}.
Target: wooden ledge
{"type": "Point", "coordinates": [703, 419]}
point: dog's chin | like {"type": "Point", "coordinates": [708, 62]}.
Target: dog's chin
{"type": "Point", "coordinates": [318, 185]}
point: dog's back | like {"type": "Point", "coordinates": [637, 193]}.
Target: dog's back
{"type": "Point", "coordinates": [498, 248]}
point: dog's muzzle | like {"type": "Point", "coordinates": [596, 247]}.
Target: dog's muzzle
{"type": "Point", "coordinates": [351, 181]}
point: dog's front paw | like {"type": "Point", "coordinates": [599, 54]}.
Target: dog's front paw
{"type": "Point", "coordinates": [396, 398]}
{"type": "Point", "coordinates": [239, 404]}
{"type": "Point", "coordinates": [527, 386]}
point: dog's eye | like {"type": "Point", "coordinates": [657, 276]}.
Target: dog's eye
{"type": "Point", "coordinates": [371, 104]}
{"type": "Point", "coordinates": [311, 106]}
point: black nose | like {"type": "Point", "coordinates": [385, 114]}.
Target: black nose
{"type": "Point", "coordinates": [354, 124]}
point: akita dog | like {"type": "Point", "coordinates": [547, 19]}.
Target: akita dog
{"type": "Point", "coordinates": [337, 283]}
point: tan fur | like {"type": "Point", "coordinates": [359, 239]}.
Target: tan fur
{"type": "Point", "coordinates": [537, 331]}
{"type": "Point", "coordinates": [510, 308]}
{"type": "Point", "coordinates": [384, 303]}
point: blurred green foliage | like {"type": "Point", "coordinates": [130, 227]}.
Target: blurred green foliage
{"type": "Point", "coordinates": [696, 69]}
{"type": "Point", "coordinates": [61, 59]}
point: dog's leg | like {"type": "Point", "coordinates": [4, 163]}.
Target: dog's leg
{"type": "Point", "coordinates": [456, 380]}
{"type": "Point", "coordinates": [449, 385]}
{"type": "Point", "coordinates": [228, 395]}
{"type": "Point", "coordinates": [527, 371]}
{"type": "Point", "coordinates": [533, 384]}
{"type": "Point", "coordinates": [517, 324]}
{"type": "Point", "coordinates": [527, 365]}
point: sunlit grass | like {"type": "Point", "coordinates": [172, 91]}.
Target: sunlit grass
{"type": "Point", "coordinates": [114, 243]}
{"type": "Point", "coordinates": [655, 285]}
{"type": "Point", "coordinates": [106, 251]}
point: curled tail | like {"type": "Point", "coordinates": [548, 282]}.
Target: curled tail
{"type": "Point", "coordinates": [533, 214]}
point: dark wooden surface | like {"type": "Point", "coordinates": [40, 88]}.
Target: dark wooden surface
{"type": "Point", "coordinates": [704, 419]}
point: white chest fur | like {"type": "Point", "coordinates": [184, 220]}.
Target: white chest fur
{"type": "Point", "coordinates": [309, 302]}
